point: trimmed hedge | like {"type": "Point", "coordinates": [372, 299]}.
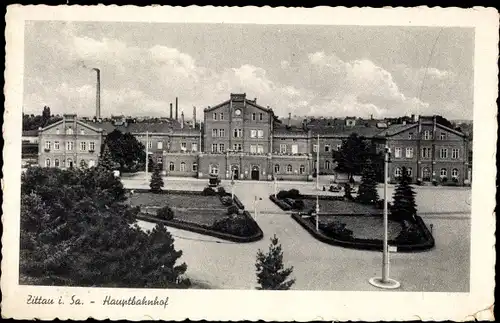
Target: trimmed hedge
{"type": "Point", "coordinates": [280, 203]}
{"type": "Point", "coordinates": [369, 244]}
{"type": "Point", "coordinates": [201, 229]}
{"type": "Point", "coordinates": [165, 213]}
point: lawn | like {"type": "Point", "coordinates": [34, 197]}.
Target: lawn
{"type": "Point", "coordinates": [365, 227]}
{"type": "Point", "coordinates": [192, 208]}
{"type": "Point", "coordinates": [339, 207]}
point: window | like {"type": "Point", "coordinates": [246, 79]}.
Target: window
{"type": "Point", "coordinates": [222, 132]}
{"type": "Point", "coordinates": [253, 116]}
{"type": "Point", "coordinates": [214, 116]}
{"type": "Point", "coordinates": [47, 145]}
{"type": "Point", "coordinates": [183, 146]}
{"type": "Point", "coordinates": [443, 153]}
{"type": "Point", "coordinates": [56, 162]}
{"type": "Point", "coordinates": [159, 145]}
{"type": "Point", "coordinates": [214, 132]}
{"type": "Point", "coordinates": [426, 152]}
{"type": "Point", "coordinates": [427, 135]}
{"type": "Point", "coordinates": [409, 171]}
{"type": "Point", "coordinates": [397, 172]}
{"type": "Point", "coordinates": [237, 147]}
{"type": "Point", "coordinates": [222, 116]}
{"type": "Point", "coordinates": [91, 163]}
{"type": "Point", "coordinates": [327, 148]}
{"type": "Point", "coordinates": [397, 153]}
{"type": "Point", "coordinates": [194, 167]}
{"type": "Point", "coordinates": [426, 174]}
{"type": "Point", "coordinates": [159, 159]}
{"type": "Point", "coordinates": [261, 116]}
{"type": "Point", "coordinates": [237, 133]}
{"type": "Point", "coordinates": [214, 169]}
{"type": "Point", "coordinates": [47, 162]}
{"type": "Point", "coordinates": [295, 149]}
{"type": "Point", "coordinates": [58, 132]}
{"type": "Point", "coordinates": [171, 166]}
{"type": "Point", "coordinates": [315, 148]}
{"type": "Point", "coordinates": [69, 145]}
{"type": "Point", "coordinates": [410, 135]}
{"type": "Point", "coordinates": [194, 147]}
{"type": "Point", "coordinates": [455, 153]}
{"type": "Point", "coordinates": [183, 167]}
{"type": "Point", "coordinates": [302, 169]}
{"type": "Point", "coordinates": [260, 149]}
{"type": "Point", "coordinates": [82, 132]}
{"type": "Point", "coordinates": [339, 146]}
{"type": "Point", "coordinates": [454, 173]}
{"type": "Point", "coordinates": [150, 144]}
{"type": "Point", "coordinates": [260, 133]}
{"type": "Point", "coordinates": [327, 164]}
{"type": "Point", "coordinates": [69, 131]}
{"type": "Point", "coordinates": [442, 136]}
{"type": "Point", "coordinates": [253, 149]}
{"type": "Point", "coordinates": [443, 172]}
{"type": "Point", "coordinates": [253, 133]}
{"type": "Point", "coordinates": [221, 148]}
{"type": "Point", "coordinates": [282, 148]}
{"type": "Point", "coordinates": [91, 146]}
{"type": "Point", "coordinates": [289, 169]}
{"type": "Point", "coordinates": [70, 163]}
{"type": "Point", "coordinates": [83, 146]}
{"type": "Point", "coordinates": [214, 148]}
{"type": "Point", "coordinates": [276, 168]}
{"type": "Point", "coordinates": [409, 152]}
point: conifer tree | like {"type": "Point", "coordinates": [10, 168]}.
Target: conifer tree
{"type": "Point", "coordinates": [367, 192]}
{"type": "Point", "coordinates": [156, 183]}
{"type": "Point", "coordinates": [404, 206]}
{"type": "Point", "coordinates": [106, 161]}
{"type": "Point", "coordinates": [271, 274]}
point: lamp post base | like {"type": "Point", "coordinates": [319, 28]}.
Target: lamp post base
{"type": "Point", "coordinates": [388, 284]}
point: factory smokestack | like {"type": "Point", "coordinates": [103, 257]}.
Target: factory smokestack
{"type": "Point", "coordinates": [98, 94]}
{"type": "Point", "coordinates": [194, 117]}
{"type": "Point", "coordinates": [171, 113]}
{"type": "Point", "coordinates": [182, 120]}
{"type": "Point", "coordinates": [176, 109]}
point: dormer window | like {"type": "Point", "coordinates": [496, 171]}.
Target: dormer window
{"type": "Point", "coordinates": [442, 136]}
{"type": "Point", "coordinates": [427, 135]}
{"type": "Point", "coordinates": [215, 116]}
{"type": "Point", "coordinates": [58, 132]}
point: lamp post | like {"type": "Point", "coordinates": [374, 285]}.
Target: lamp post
{"type": "Point", "coordinates": [317, 213]}
{"type": "Point", "coordinates": [275, 187]}
{"type": "Point", "coordinates": [384, 281]}
{"type": "Point", "coordinates": [317, 165]}
{"type": "Point", "coordinates": [147, 154]}
{"type": "Point", "coordinates": [255, 207]}
{"type": "Point", "coordinates": [232, 185]}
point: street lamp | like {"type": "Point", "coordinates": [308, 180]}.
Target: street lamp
{"type": "Point", "coordinates": [275, 187]}
{"type": "Point", "coordinates": [232, 185]}
{"type": "Point", "coordinates": [317, 213]}
{"type": "Point", "coordinates": [384, 281]}
{"type": "Point", "coordinates": [147, 154]}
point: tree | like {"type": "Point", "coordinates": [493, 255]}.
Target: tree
{"type": "Point", "coordinates": [352, 155]}
{"type": "Point", "coordinates": [156, 183]}
{"type": "Point", "coordinates": [367, 192]}
{"type": "Point", "coordinates": [76, 230]}
{"type": "Point", "coordinates": [271, 274]}
{"type": "Point", "coordinates": [126, 150]}
{"type": "Point", "coordinates": [106, 161]}
{"type": "Point", "coordinates": [404, 207]}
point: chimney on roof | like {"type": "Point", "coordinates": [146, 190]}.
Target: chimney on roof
{"type": "Point", "coordinates": [171, 112]}
{"type": "Point", "coordinates": [182, 120]}
{"type": "Point", "coordinates": [176, 108]}
{"type": "Point", "coordinates": [194, 117]}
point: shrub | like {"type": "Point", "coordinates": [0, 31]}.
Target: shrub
{"type": "Point", "coordinates": [409, 235]}
{"type": "Point", "coordinates": [226, 200]}
{"type": "Point", "coordinates": [222, 191]}
{"type": "Point", "coordinates": [282, 195]}
{"type": "Point", "coordinates": [208, 191]}
{"type": "Point", "coordinates": [298, 204]}
{"type": "Point", "coordinates": [380, 205]}
{"type": "Point", "coordinates": [324, 188]}
{"type": "Point", "coordinates": [434, 182]}
{"type": "Point", "coordinates": [336, 230]}
{"type": "Point", "coordinates": [419, 181]}
{"type": "Point", "coordinates": [444, 179]}
{"type": "Point", "coordinates": [236, 225]}
{"type": "Point", "coordinates": [348, 192]}
{"type": "Point", "coordinates": [233, 209]}
{"type": "Point", "coordinates": [165, 213]}
{"type": "Point", "coordinates": [293, 193]}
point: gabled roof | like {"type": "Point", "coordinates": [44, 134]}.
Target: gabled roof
{"type": "Point", "coordinates": [394, 129]}
{"type": "Point", "coordinates": [166, 126]}
{"type": "Point", "coordinates": [281, 129]}
{"type": "Point", "coordinates": [247, 101]}
{"type": "Point", "coordinates": [79, 122]}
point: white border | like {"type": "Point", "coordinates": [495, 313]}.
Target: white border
{"type": "Point", "coordinates": [255, 305]}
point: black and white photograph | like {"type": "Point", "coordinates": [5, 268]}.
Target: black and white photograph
{"type": "Point", "coordinates": [226, 156]}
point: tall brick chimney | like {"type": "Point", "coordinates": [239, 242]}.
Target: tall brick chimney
{"type": "Point", "coordinates": [194, 117]}
{"type": "Point", "coordinates": [171, 112]}
{"type": "Point", "coordinates": [182, 120]}
{"type": "Point", "coordinates": [98, 94]}
{"type": "Point", "coordinates": [176, 108]}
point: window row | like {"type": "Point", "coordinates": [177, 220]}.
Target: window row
{"type": "Point", "coordinates": [289, 169]}
{"type": "Point", "coordinates": [294, 149]}
{"type": "Point", "coordinates": [221, 148]}
{"type": "Point", "coordinates": [182, 165]}
{"type": "Point", "coordinates": [70, 145]}
{"type": "Point", "coordinates": [159, 145]}
{"type": "Point", "coordinates": [327, 148]}
{"type": "Point", "coordinates": [238, 133]}
{"type": "Point", "coordinates": [220, 116]}
{"type": "Point", "coordinates": [426, 172]}
{"type": "Point", "coordinates": [426, 153]}
{"type": "Point", "coordinates": [428, 135]}
{"type": "Point", "coordinates": [69, 131]}
{"type": "Point", "coordinates": [56, 162]}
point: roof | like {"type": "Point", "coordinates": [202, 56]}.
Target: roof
{"type": "Point", "coordinates": [282, 129]}
{"type": "Point", "coordinates": [165, 126]}
{"type": "Point", "coordinates": [396, 128]}
{"type": "Point", "coordinates": [239, 100]}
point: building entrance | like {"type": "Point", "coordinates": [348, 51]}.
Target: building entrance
{"type": "Point", "coordinates": [255, 173]}
{"type": "Point", "coordinates": [235, 172]}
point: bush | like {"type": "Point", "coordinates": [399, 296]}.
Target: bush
{"type": "Point", "coordinates": [380, 205]}
{"type": "Point", "coordinates": [208, 191]}
{"type": "Point", "coordinates": [419, 181]}
{"type": "Point", "coordinates": [298, 205]}
{"type": "Point", "coordinates": [444, 179]}
{"type": "Point", "coordinates": [226, 200]}
{"type": "Point", "coordinates": [292, 194]}
{"type": "Point", "coordinates": [409, 235]}
{"type": "Point", "coordinates": [233, 209]}
{"type": "Point", "coordinates": [282, 195]}
{"type": "Point", "coordinates": [434, 182]}
{"type": "Point", "coordinates": [236, 225]}
{"type": "Point", "coordinates": [336, 230]}
{"type": "Point", "coordinates": [348, 192]}
{"type": "Point", "coordinates": [165, 213]}
{"type": "Point", "coordinates": [221, 191]}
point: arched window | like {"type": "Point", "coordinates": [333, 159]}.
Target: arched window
{"type": "Point", "coordinates": [454, 172]}
{"type": "Point", "coordinates": [195, 167]}
{"type": "Point", "coordinates": [56, 162]}
{"type": "Point", "coordinates": [302, 169]}
{"type": "Point", "coordinates": [409, 171]}
{"type": "Point", "coordinates": [289, 169]}
{"type": "Point", "coordinates": [183, 167]}
{"type": "Point", "coordinates": [397, 172]}
{"type": "Point", "coordinates": [443, 172]}
{"type": "Point", "coordinates": [69, 131]}
{"type": "Point", "coordinates": [47, 162]}
{"type": "Point", "coordinates": [277, 168]}
{"type": "Point", "coordinates": [327, 164]}
{"type": "Point", "coordinates": [171, 166]}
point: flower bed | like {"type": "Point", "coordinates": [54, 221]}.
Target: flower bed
{"type": "Point", "coordinates": [349, 236]}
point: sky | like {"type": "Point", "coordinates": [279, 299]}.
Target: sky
{"type": "Point", "coordinates": [306, 70]}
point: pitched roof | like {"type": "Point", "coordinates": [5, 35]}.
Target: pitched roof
{"type": "Point", "coordinates": [165, 126]}
{"type": "Point", "coordinates": [282, 129]}
{"type": "Point", "coordinates": [395, 129]}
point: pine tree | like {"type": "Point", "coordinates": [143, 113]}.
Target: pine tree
{"type": "Point", "coordinates": [404, 206]}
{"type": "Point", "coordinates": [106, 161]}
{"type": "Point", "coordinates": [367, 192]}
{"type": "Point", "coordinates": [156, 183]}
{"type": "Point", "coordinates": [271, 274]}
